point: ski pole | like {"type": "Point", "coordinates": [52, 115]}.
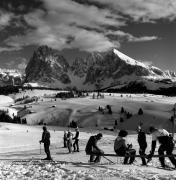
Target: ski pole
{"type": "Point", "coordinates": [109, 160]}
{"type": "Point", "coordinates": [40, 148]}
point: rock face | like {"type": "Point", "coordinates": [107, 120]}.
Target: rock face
{"type": "Point", "coordinates": [47, 66]}
{"type": "Point", "coordinates": [96, 71]}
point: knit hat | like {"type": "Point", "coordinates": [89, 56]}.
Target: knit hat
{"type": "Point", "coordinates": [123, 133]}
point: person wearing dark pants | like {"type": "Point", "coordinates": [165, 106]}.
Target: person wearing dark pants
{"type": "Point", "coordinates": [142, 144]}
{"type": "Point", "coordinates": [46, 141]}
{"type": "Point", "coordinates": [95, 158]}
{"type": "Point", "coordinates": [69, 141]}
{"type": "Point", "coordinates": [142, 153]}
{"type": "Point", "coordinates": [166, 145]}
{"type": "Point", "coordinates": [76, 142]}
{"type": "Point", "coordinates": [123, 149]}
{"type": "Point", "coordinates": [93, 150]}
{"type": "Point", "coordinates": [130, 152]}
{"type": "Point", "coordinates": [65, 139]}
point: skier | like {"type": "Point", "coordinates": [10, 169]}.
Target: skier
{"type": "Point", "coordinates": [166, 144]}
{"type": "Point", "coordinates": [69, 141]}
{"type": "Point", "coordinates": [76, 138]}
{"type": "Point", "coordinates": [122, 149]}
{"type": "Point", "coordinates": [46, 140]}
{"type": "Point", "coordinates": [142, 144]}
{"type": "Point", "coordinates": [65, 139]}
{"type": "Point", "coordinates": [92, 147]}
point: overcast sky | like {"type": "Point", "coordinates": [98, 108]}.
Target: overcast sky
{"type": "Point", "coordinates": [142, 29]}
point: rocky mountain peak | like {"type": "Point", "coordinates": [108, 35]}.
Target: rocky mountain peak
{"type": "Point", "coordinates": [47, 66]}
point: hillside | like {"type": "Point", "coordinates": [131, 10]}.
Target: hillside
{"type": "Point", "coordinates": [157, 110]}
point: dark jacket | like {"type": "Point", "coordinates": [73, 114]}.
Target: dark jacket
{"type": "Point", "coordinates": [91, 145]}
{"type": "Point", "coordinates": [65, 136]}
{"type": "Point", "coordinates": [142, 139]}
{"type": "Point", "coordinates": [120, 146]}
{"type": "Point", "coordinates": [76, 135]}
{"type": "Point", "coordinates": [45, 137]}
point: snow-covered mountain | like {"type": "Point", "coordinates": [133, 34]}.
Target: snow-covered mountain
{"type": "Point", "coordinates": [153, 72]}
{"type": "Point", "coordinates": [10, 77]}
{"type": "Point", "coordinates": [47, 67]}
{"type": "Point", "coordinates": [97, 71]}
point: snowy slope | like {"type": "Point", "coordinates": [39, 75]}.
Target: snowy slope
{"type": "Point", "coordinates": [128, 60]}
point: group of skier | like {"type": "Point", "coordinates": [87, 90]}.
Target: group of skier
{"type": "Point", "coordinates": [121, 147]}
{"type": "Point", "coordinates": [68, 140]}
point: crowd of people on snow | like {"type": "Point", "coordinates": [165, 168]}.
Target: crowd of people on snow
{"type": "Point", "coordinates": [68, 139]}
{"type": "Point", "coordinates": [121, 148]}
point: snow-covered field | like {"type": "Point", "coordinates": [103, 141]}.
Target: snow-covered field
{"type": "Point", "coordinates": [19, 143]}
{"type": "Point", "coordinates": [157, 110]}
{"type": "Point", "coordinates": [5, 100]}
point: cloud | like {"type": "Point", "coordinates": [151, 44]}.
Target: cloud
{"type": "Point", "coordinates": [94, 41]}
{"type": "Point", "coordinates": [19, 63]}
{"type": "Point", "coordinates": [22, 65]}
{"type": "Point", "coordinates": [123, 36]}
{"type": "Point", "coordinates": [4, 19]}
{"type": "Point", "coordinates": [144, 10]}
{"type": "Point", "coordinates": [64, 20]}
{"type": "Point", "coordinates": [70, 24]}
{"type": "Point", "coordinates": [143, 39]}
{"type": "Point", "coordinates": [2, 49]}
{"type": "Point", "coordinates": [20, 6]}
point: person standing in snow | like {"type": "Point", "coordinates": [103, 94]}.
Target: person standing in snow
{"type": "Point", "coordinates": [46, 140]}
{"type": "Point", "coordinates": [166, 144]}
{"type": "Point", "coordinates": [69, 141]}
{"type": "Point", "coordinates": [93, 150]}
{"type": "Point", "coordinates": [65, 139]}
{"type": "Point", "coordinates": [76, 138]}
{"type": "Point", "coordinates": [142, 144]}
{"type": "Point", "coordinates": [122, 149]}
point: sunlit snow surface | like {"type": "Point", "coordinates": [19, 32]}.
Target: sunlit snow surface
{"type": "Point", "coordinates": [128, 59]}
{"type": "Point", "coordinates": [57, 171]}
{"type": "Point", "coordinates": [21, 142]}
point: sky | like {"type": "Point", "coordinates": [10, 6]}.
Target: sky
{"type": "Point", "coordinates": [142, 29]}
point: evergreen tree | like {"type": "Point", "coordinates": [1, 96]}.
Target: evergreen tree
{"type": "Point", "coordinates": [121, 120]}
{"type": "Point", "coordinates": [122, 110]}
{"type": "Point", "coordinates": [140, 112]}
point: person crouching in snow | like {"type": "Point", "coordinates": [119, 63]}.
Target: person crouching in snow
{"type": "Point", "coordinates": [46, 140]}
{"type": "Point", "coordinates": [93, 150]}
{"type": "Point", "coordinates": [142, 144]}
{"type": "Point", "coordinates": [69, 141]}
{"type": "Point", "coordinates": [166, 144]}
{"type": "Point", "coordinates": [122, 149]}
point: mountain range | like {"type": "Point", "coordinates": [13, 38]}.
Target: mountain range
{"type": "Point", "coordinates": [111, 69]}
